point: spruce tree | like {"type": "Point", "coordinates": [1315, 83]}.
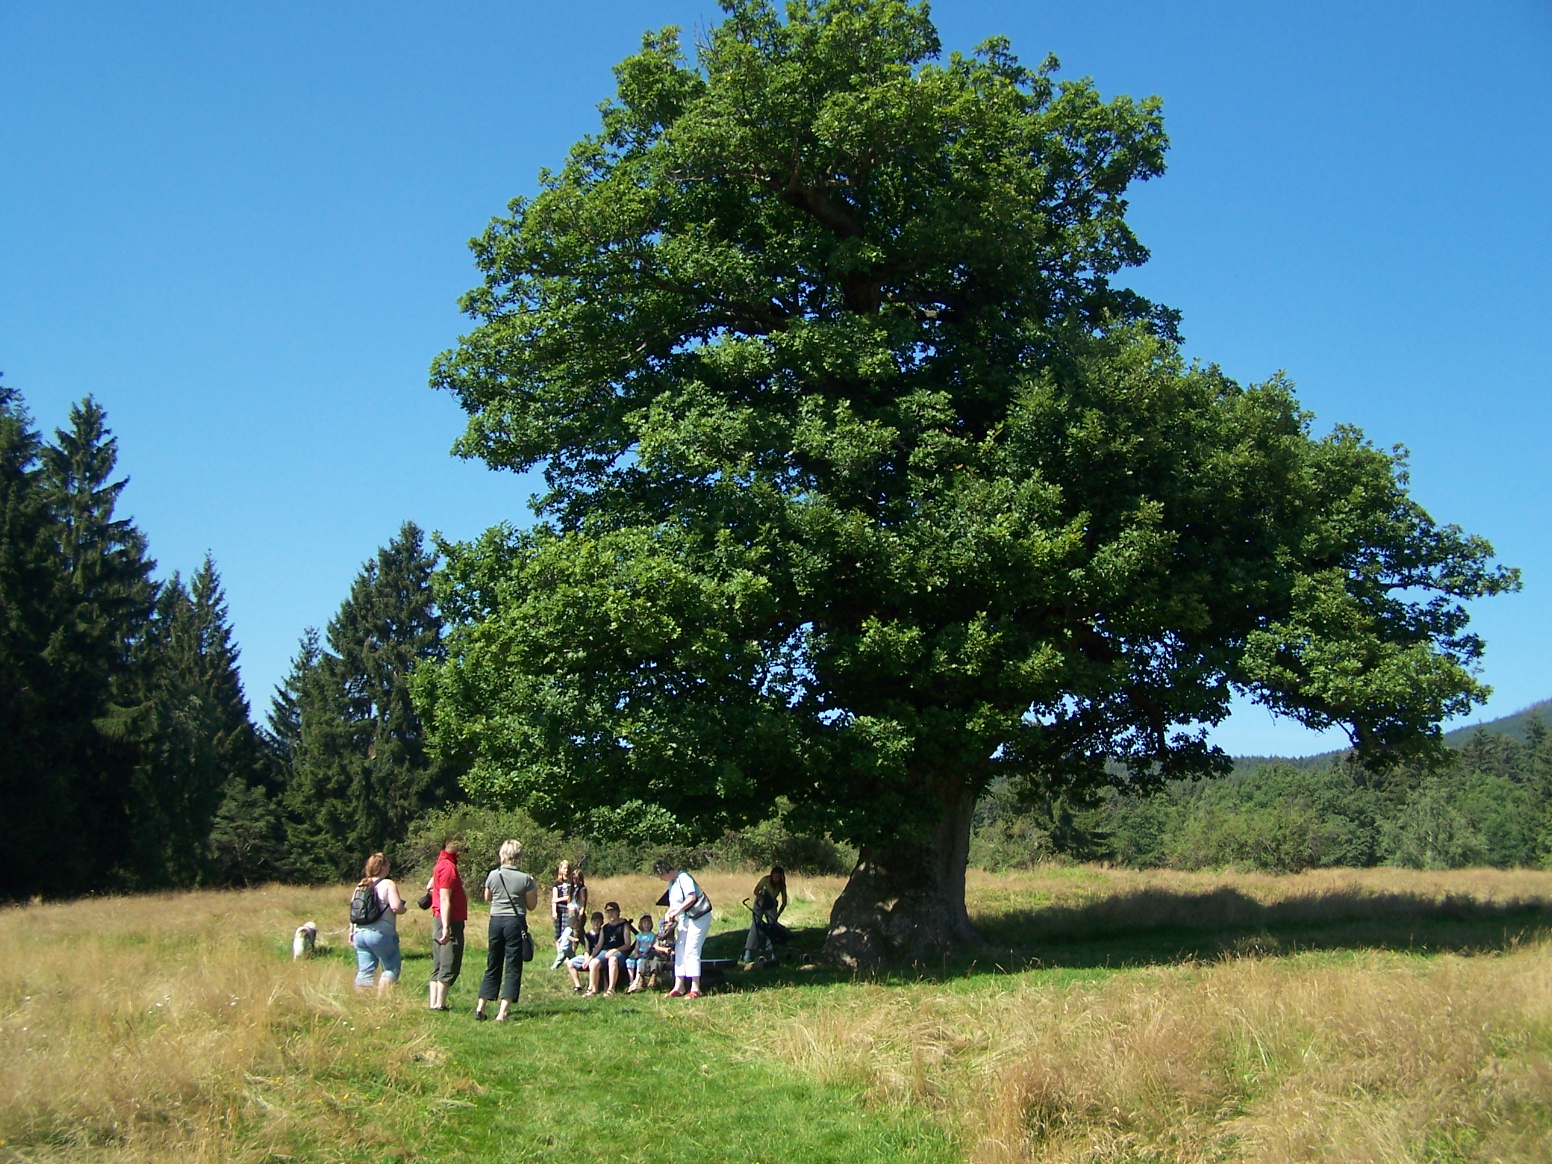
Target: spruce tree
{"type": "Point", "coordinates": [283, 732]}
{"type": "Point", "coordinates": [198, 747]}
{"type": "Point", "coordinates": [213, 656]}
{"type": "Point", "coordinates": [31, 785]}
{"type": "Point", "coordinates": [104, 598]}
{"type": "Point", "coordinates": [247, 836]}
{"type": "Point", "coordinates": [359, 769]}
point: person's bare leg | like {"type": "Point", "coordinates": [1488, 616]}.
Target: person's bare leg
{"type": "Point", "coordinates": [576, 981]}
{"type": "Point", "coordinates": [501, 1011]}
{"type": "Point", "coordinates": [614, 974]}
{"type": "Point", "coordinates": [592, 976]}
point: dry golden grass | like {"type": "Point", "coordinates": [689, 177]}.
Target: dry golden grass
{"type": "Point", "coordinates": [142, 1028]}
{"type": "Point", "coordinates": [1370, 1056]}
{"type": "Point", "coordinates": [138, 1029]}
{"type": "Point", "coordinates": [176, 1026]}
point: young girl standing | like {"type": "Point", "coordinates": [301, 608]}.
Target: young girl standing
{"type": "Point", "coordinates": [560, 906]}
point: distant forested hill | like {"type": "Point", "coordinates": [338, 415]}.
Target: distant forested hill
{"type": "Point", "coordinates": [1507, 725]}
{"type": "Point", "coordinates": [1487, 801]}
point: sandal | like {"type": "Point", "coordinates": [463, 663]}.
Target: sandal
{"type": "Point", "coordinates": [693, 994]}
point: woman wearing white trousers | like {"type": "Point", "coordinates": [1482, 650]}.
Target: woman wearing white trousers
{"type": "Point", "coordinates": [690, 909]}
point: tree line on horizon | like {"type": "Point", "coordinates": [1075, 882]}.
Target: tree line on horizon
{"type": "Point", "coordinates": [1486, 801]}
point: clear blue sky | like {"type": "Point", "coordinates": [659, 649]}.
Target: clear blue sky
{"type": "Point", "coordinates": [242, 226]}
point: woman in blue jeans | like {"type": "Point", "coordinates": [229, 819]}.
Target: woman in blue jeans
{"type": "Point", "coordinates": [511, 893]}
{"type": "Point", "coordinates": [377, 943]}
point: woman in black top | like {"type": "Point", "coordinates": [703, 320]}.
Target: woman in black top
{"type": "Point", "coordinates": [613, 944]}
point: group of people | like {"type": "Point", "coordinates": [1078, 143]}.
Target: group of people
{"type": "Point", "coordinates": [377, 904]}
{"type": "Point", "coordinates": [603, 946]}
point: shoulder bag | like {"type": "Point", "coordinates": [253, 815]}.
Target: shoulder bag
{"type": "Point", "coordinates": [527, 938]}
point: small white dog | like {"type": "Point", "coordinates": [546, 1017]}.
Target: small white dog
{"type": "Point", "coordinates": [305, 940]}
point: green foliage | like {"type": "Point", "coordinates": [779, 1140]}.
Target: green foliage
{"type": "Point", "coordinates": [1432, 833]}
{"type": "Point", "coordinates": [868, 488]}
{"type": "Point", "coordinates": [483, 831]}
{"type": "Point", "coordinates": [1282, 839]}
{"type": "Point", "coordinates": [194, 738]}
{"type": "Point", "coordinates": [104, 605]}
{"type": "Point", "coordinates": [357, 771]}
{"type": "Point", "coordinates": [1488, 802]}
{"type": "Point", "coordinates": [1014, 842]}
{"type": "Point", "coordinates": [282, 736]}
{"type": "Point", "coordinates": [33, 782]}
{"type": "Point", "coordinates": [247, 836]}
{"type": "Point", "coordinates": [775, 842]}
{"type": "Point", "coordinates": [618, 841]}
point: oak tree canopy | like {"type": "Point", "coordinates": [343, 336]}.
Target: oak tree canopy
{"type": "Point", "coordinates": [869, 485]}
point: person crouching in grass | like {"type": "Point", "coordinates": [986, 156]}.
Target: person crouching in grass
{"type": "Point", "coordinates": [662, 953]}
{"type": "Point", "coordinates": [583, 959]}
{"type": "Point", "coordinates": [569, 938]}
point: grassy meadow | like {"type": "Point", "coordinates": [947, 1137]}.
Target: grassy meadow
{"type": "Point", "coordinates": [1375, 1015]}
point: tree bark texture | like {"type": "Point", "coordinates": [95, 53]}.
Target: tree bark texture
{"type": "Point", "coordinates": [905, 901]}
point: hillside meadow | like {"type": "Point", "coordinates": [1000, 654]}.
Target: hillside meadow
{"type": "Point", "coordinates": [1375, 1015]}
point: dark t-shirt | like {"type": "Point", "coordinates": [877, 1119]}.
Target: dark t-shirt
{"type": "Point", "coordinates": [616, 935]}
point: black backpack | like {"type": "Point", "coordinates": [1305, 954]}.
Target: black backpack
{"type": "Point", "coordinates": [365, 906]}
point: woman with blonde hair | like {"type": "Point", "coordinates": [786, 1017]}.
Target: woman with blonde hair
{"type": "Point", "coordinates": [374, 927]}
{"type": "Point", "coordinates": [511, 894]}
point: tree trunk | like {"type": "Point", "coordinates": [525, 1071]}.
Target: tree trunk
{"type": "Point", "coordinates": [906, 899]}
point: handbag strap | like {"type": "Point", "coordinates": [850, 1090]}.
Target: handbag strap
{"type": "Point", "coordinates": [501, 876]}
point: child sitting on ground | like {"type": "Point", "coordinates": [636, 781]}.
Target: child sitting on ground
{"type": "Point", "coordinates": [587, 952]}
{"type": "Point", "coordinates": [641, 954]}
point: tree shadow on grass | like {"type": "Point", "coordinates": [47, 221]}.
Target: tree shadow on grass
{"type": "Point", "coordinates": [1153, 927]}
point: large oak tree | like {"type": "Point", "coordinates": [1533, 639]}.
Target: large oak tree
{"type": "Point", "coordinates": [867, 486]}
